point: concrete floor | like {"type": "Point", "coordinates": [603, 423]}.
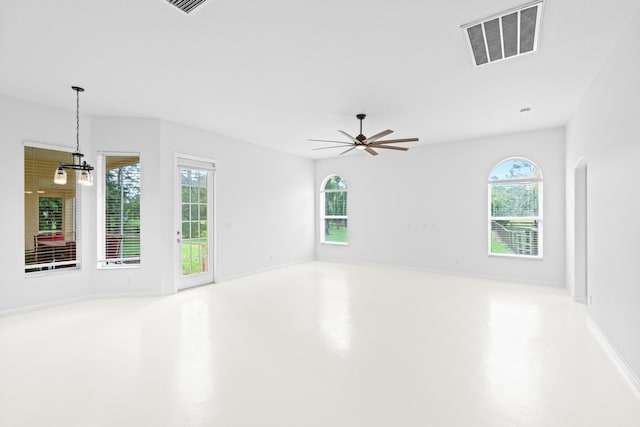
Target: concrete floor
{"type": "Point", "coordinates": [315, 344]}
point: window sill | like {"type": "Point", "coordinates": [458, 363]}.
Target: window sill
{"type": "Point", "coordinates": [334, 243]}
{"type": "Point", "coordinates": [119, 267]}
{"type": "Point", "coordinates": [53, 272]}
{"type": "Point", "coordinates": [529, 257]}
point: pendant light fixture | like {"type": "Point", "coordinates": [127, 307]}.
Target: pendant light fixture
{"type": "Point", "coordinates": [84, 176]}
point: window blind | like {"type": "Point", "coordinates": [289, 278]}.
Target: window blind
{"type": "Point", "coordinates": [119, 210]}
{"type": "Point", "coordinates": [50, 214]}
{"type": "Point", "coordinates": [515, 209]}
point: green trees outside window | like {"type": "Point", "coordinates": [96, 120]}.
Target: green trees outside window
{"type": "Point", "coordinates": [122, 209]}
{"type": "Point", "coordinates": [515, 213]}
{"type": "Point", "coordinates": [334, 210]}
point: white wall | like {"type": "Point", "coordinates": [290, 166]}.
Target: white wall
{"type": "Point", "coordinates": [264, 198]}
{"type": "Point", "coordinates": [19, 122]}
{"type": "Point", "coordinates": [427, 208]}
{"type": "Point", "coordinates": [116, 134]}
{"type": "Point", "coordinates": [265, 204]}
{"type": "Point", "coordinates": [604, 132]}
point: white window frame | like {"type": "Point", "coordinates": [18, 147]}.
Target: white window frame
{"type": "Point", "coordinates": [538, 218]}
{"type": "Point", "coordinates": [102, 261]}
{"type": "Point", "coordinates": [323, 215]}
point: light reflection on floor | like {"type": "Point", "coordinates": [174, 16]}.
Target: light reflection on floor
{"type": "Point", "coordinates": [315, 345]}
{"type": "Point", "coordinates": [194, 379]}
{"type": "Point", "coordinates": [334, 314]}
{"type": "Point", "coordinates": [511, 369]}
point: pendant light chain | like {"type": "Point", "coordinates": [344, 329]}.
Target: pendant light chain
{"type": "Point", "coordinates": [77, 121]}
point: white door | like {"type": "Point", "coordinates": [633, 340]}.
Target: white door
{"type": "Point", "coordinates": [194, 231]}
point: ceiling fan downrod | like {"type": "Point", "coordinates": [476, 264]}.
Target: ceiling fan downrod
{"type": "Point", "coordinates": [361, 117]}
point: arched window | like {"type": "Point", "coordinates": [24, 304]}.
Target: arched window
{"type": "Point", "coordinates": [333, 201]}
{"type": "Point", "coordinates": [515, 209]}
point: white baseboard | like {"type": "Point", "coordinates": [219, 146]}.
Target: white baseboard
{"type": "Point", "coordinates": [616, 358]}
{"type": "Point", "coordinates": [262, 270]}
{"type": "Point", "coordinates": [37, 307]}
{"type": "Point", "coordinates": [581, 300]}
{"type": "Point", "coordinates": [148, 294]}
{"type": "Point", "coordinates": [58, 303]}
{"type": "Point", "coordinates": [447, 272]}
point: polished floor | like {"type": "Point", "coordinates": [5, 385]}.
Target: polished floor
{"type": "Point", "coordinates": [315, 344]}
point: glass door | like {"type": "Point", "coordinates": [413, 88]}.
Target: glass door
{"type": "Point", "coordinates": [194, 231]}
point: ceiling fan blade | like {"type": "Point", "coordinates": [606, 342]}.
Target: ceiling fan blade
{"type": "Point", "coordinates": [371, 151]}
{"type": "Point", "coordinates": [327, 140]}
{"type": "Point", "coordinates": [346, 151]}
{"type": "Point", "coordinates": [333, 146]}
{"type": "Point", "coordinates": [379, 135]}
{"type": "Point", "coordinates": [395, 141]}
{"type": "Point", "coordinates": [349, 136]}
{"type": "Point", "coordinates": [391, 147]}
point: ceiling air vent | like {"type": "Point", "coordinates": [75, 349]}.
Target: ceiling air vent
{"type": "Point", "coordinates": [505, 35]}
{"type": "Point", "coordinates": [186, 5]}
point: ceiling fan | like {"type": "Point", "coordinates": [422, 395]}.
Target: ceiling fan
{"type": "Point", "coordinates": [361, 142]}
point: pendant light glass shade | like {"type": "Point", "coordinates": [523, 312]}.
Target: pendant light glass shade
{"type": "Point", "coordinates": [85, 178]}
{"type": "Point", "coordinates": [60, 177]}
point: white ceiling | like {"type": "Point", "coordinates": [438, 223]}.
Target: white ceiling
{"type": "Point", "coordinates": [281, 71]}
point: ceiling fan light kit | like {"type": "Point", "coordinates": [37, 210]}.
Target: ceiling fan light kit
{"type": "Point", "coordinates": [362, 143]}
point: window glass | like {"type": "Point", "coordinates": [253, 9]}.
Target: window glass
{"type": "Point", "coordinates": [514, 169]}
{"type": "Point", "coordinates": [119, 233]}
{"type": "Point", "coordinates": [50, 213]}
{"type": "Point", "coordinates": [195, 243]}
{"type": "Point", "coordinates": [515, 199]}
{"type": "Point", "coordinates": [334, 210]}
{"type": "Point", "coordinates": [515, 214]}
{"type": "Point", "coordinates": [335, 182]}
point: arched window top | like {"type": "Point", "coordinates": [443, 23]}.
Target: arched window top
{"type": "Point", "coordinates": [515, 169]}
{"type": "Point", "coordinates": [334, 182]}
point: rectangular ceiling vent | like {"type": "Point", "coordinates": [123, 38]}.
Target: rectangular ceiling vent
{"type": "Point", "coordinates": [505, 35]}
{"type": "Point", "coordinates": [186, 5]}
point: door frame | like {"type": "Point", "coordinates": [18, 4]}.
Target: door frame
{"type": "Point", "coordinates": [181, 160]}
{"type": "Point", "coordinates": [580, 266]}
